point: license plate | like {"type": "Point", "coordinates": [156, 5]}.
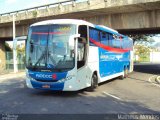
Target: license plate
{"type": "Point", "coordinates": [45, 86]}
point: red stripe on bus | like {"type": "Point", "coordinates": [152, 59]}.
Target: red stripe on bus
{"type": "Point", "coordinates": [118, 50]}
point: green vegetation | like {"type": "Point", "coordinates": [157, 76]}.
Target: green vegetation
{"type": "Point", "coordinates": [21, 53]}
{"type": "Point", "coordinates": [142, 38]}
{"type": "Point", "coordinates": [143, 45]}
{"type": "Point", "coordinates": [143, 53]}
{"type": "Point", "coordinates": [20, 49]}
{"type": "Point", "coordinates": [34, 13]}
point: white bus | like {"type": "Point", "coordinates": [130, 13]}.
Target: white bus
{"type": "Point", "coordinates": [70, 55]}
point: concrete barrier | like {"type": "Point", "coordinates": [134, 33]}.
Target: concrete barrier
{"type": "Point", "coordinates": [158, 79]}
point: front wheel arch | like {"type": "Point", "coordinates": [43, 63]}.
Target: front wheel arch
{"type": "Point", "coordinates": [125, 73]}
{"type": "Point", "coordinates": [94, 82]}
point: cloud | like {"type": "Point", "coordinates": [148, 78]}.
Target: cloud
{"type": "Point", "coordinates": [11, 1]}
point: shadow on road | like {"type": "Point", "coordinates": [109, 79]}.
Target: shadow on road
{"type": "Point", "coordinates": [138, 79]}
{"type": "Point", "coordinates": [17, 99]}
{"type": "Point", "coordinates": [56, 93]}
{"type": "Point", "coordinates": [150, 68]}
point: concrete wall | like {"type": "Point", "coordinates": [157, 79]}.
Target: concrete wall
{"type": "Point", "coordinates": [2, 56]}
{"type": "Point", "coordinates": [6, 31]}
{"type": "Point", "coordinates": [134, 20]}
{"type": "Point", "coordinates": [154, 57]}
{"type": "Point", "coordinates": [117, 14]}
{"type": "Point", "coordinates": [93, 7]}
{"type": "Point", "coordinates": [120, 21]}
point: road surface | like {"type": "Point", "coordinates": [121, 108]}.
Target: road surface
{"type": "Point", "coordinates": [133, 95]}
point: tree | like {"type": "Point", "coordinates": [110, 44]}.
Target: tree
{"type": "Point", "coordinates": [142, 38]}
{"type": "Point", "coordinates": [143, 52]}
{"type": "Point", "coordinates": [141, 49]}
{"type": "Point", "coordinates": [21, 53]}
{"type": "Point", "coordinates": [21, 48]}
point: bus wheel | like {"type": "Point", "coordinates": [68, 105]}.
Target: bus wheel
{"type": "Point", "coordinates": [126, 72]}
{"type": "Point", "coordinates": [94, 83]}
{"type": "Point", "coordinates": [122, 76]}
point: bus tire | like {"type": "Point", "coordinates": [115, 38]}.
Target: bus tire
{"type": "Point", "coordinates": [94, 83]}
{"type": "Point", "coordinates": [126, 72]}
{"type": "Point", "coordinates": [122, 76]}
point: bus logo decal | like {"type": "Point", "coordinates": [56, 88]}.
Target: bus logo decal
{"type": "Point", "coordinates": [54, 76]}
{"type": "Point", "coordinates": [43, 76]}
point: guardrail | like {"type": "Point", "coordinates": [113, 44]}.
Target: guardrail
{"type": "Point", "coordinates": [37, 7]}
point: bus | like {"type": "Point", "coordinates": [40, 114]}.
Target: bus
{"type": "Point", "coordinates": [72, 54]}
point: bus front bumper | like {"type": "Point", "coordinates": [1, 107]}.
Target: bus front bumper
{"type": "Point", "coordinates": [56, 86]}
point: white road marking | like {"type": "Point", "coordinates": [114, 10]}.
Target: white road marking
{"type": "Point", "coordinates": [150, 78]}
{"type": "Point", "coordinates": [112, 96]}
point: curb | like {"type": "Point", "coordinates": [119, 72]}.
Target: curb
{"type": "Point", "coordinates": [158, 79]}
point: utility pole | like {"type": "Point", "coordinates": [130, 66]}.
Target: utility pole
{"type": "Point", "coordinates": [14, 47]}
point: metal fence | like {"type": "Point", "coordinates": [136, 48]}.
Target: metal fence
{"type": "Point", "coordinates": [20, 61]}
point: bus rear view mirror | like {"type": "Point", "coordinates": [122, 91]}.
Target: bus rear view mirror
{"type": "Point", "coordinates": [72, 53]}
{"type": "Point", "coordinates": [82, 40]}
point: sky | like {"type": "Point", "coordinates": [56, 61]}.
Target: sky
{"type": "Point", "coordinates": [13, 5]}
{"type": "Point", "coordinates": [156, 38]}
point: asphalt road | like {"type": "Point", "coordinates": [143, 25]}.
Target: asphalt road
{"type": "Point", "coordinates": [135, 94]}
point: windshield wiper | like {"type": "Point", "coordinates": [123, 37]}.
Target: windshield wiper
{"type": "Point", "coordinates": [41, 58]}
{"type": "Point", "coordinates": [45, 55]}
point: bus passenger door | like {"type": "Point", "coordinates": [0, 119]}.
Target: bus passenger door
{"type": "Point", "coordinates": [82, 46]}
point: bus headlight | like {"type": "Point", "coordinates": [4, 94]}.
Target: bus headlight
{"type": "Point", "coordinates": [28, 77]}
{"type": "Point", "coordinates": [66, 79]}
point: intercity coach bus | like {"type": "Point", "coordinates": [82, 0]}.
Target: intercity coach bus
{"type": "Point", "coordinates": [70, 55]}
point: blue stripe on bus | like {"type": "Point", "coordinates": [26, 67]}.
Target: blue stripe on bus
{"type": "Point", "coordinates": [47, 80]}
{"type": "Point", "coordinates": [111, 63]}
{"type": "Point", "coordinates": [52, 76]}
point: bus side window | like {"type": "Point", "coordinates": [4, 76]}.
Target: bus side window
{"type": "Point", "coordinates": [103, 38]}
{"type": "Point", "coordinates": [82, 30]}
{"type": "Point", "coordinates": [107, 37]}
{"type": "Point", "coordinates": [82, 47]}
{"type": "Point", "coordinates": [81, 53]}
{"type": "Point", "coordinates": [110, 40]}
{"type": "Point", "coordinates": [95, 35]}
{"type": "Point", "coordinates": [117, 42]}
{"type": "Point", "coordinates": [124, 44]}
{"type": "Point", "coordinates": [80, 50]}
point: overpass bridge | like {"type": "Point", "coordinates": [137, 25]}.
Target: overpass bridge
{"type": "Point", "coordinates": [124, 15]}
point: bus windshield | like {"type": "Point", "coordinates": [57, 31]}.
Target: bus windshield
{"type": "Point", "coordinates": [50, 47]}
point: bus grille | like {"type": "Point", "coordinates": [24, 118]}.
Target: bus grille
{"type": "Point", "coordinates": [46, 80]}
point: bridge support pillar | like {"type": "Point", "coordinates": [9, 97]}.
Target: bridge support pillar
{"type": "Point", "coordinates": [2, 56]}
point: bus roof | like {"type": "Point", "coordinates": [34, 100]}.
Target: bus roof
{"type": "Point", "coordinates": [109, 30]}
{"type": "Point", "coordinates": [78, 22]}
{"type": "Point", "coordinates": [63, 21]}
